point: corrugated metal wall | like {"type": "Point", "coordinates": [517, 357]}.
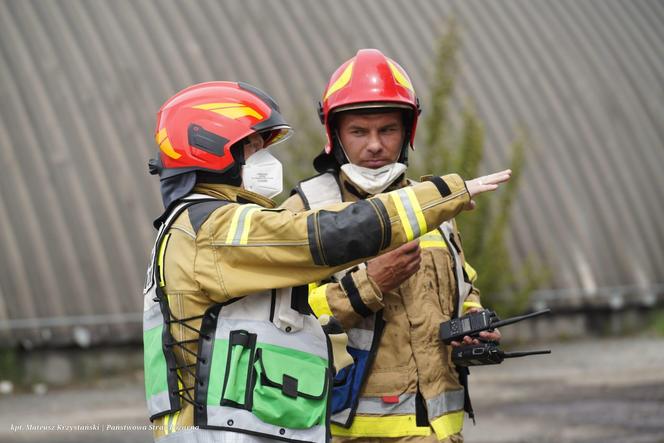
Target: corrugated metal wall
{"type": "Point", "coordinates": [80, 82]}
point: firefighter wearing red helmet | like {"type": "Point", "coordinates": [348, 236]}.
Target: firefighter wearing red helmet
{"type": "Point", "coordinates": [231, 350]}
{"type": "Point", "coordinates": [400, 384]}
{"type": "Point", "coordinates": [369, 82]}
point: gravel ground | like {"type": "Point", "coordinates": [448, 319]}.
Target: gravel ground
{"type": "Point", "coordinates": [601, 391]}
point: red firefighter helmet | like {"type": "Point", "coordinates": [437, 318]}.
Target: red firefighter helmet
{"type": "Point", "coordinates": [197, 126]}
{"type": "Point", "coordinates": [369, 80]}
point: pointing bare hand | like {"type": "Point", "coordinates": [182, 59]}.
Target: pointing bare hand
{"type": "Point", "coordinates": [486, 183]}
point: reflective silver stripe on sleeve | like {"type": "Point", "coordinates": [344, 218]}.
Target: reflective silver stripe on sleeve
{"type": "Point", "coordinates": [444, 403]}
{"type": "Point", "coordinates": [410, 212]}
{"type": "Point", "coordinates": [243, 217]}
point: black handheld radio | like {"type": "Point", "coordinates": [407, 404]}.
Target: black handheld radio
{"type": "Point", "coordinates": [486, 354]}
{"type": "Point", "coordinates": [476, 322]}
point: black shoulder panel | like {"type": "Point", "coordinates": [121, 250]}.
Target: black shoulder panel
{"type": "Point", "coordinates": [358, 231]}
{"type": "Point", "coordinates": [199, 212]}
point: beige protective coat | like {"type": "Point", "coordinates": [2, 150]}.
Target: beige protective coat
{"type": "Point", "coordinates": [410, 353]}
{"type": "Point", "coordinates": [205, 268]}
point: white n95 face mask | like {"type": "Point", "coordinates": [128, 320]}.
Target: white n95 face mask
{"type": "Point", "coordinates": [373, 181]}
{"type": "Point", "coordinates": [262, 173]}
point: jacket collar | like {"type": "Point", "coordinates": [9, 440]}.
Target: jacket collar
{"type": "Point", "coordinates": [233, 194]}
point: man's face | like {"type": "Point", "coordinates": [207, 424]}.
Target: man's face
{"type": "Point", "coordinates": [371, 140]}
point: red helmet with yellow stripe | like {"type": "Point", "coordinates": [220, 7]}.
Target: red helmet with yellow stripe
{"type": "Point", "coordinates": [197, 126]}
{"type": "Point", "coordinates": [368, 80]}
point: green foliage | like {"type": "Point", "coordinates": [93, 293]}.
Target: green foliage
{"type": "Point", "coordinates": [447, 149]}
{"type": "Point", "coordinates": [485, 229]}
{"type": "Point", "coordinates": [437, 122]}
{"type": "Point", "coordinates": [656, 322]}
{"type": "Point", "coordinates": [9, 365]}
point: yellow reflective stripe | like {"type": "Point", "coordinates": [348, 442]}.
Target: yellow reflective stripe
{"type": "Point", "coordinates": [402, 215]}
{"type": "Point", "coordinates": [342, 81]}
{"type": "Point", "coordinates": [247, 225]}
{"type": "Point", "coordinates": [400, 77]}
{"type": "Point", "coordinates": [419, 215]}
{"type": "Point", "coordinates": [471, 304]}
{"type": "Point", "coordinates": [167, 427]}
{"type": "Point", "coordinates": [381, 426]}
{"type": "Point", "coordinates": [410, 212]}
{"type": "Point", "coordinates": [238, 233]}
{"type": "Point", "coordinates": [165, 146]}
{"type": "Point", "coordinates": [230, 110]}
{"type": "Point", "coordinates": [233, 228]}
{"type": "Point", "coordinates": [472, 273]}
{"type": "Point", "coordinates": [180, 386]}
{"type": "Point", "coordinates": [171, 420]}
{"type": "Point", "coordinates": [432, 244]}
{"type": "Point", "coordinates": [448, 424]}
{"type": "Point", "coordinates": [433, 239]}
{"type": "Point", "coordinates": [318, 300]}
{"type": "Point", "coordinates": [172, 427]}
{"type": "Point", "coordinates": [160, 260]}
{"type": "Point", "coordinates": [161, 136]}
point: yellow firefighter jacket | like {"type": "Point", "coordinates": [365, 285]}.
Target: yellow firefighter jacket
{"type": "Point", "coordinates": [407, 383]}
{"type": "Point", "coordinates": [226, 348]}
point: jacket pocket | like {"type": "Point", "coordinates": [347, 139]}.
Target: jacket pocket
{"type": "Point", "coordinates": [239, 371]}
{"type": "Point", "coordinates": [291, 387]}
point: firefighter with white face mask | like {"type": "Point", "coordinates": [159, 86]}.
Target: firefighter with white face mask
{"type": "Point", "coordinates": [401, 384]}
{"type": "Point", "coordinates": [232, 352]}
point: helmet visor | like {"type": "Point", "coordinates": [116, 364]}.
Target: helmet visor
{"type": "Point", "coordinates": [276, 135]}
